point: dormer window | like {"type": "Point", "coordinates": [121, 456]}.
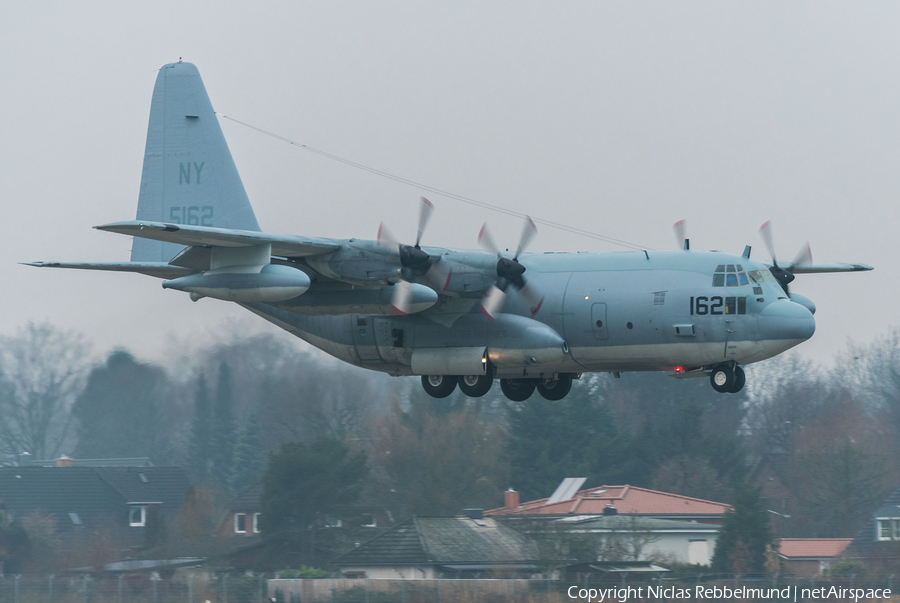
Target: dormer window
{"type": "Point", "coordinates": [888, 529]}
{"type": "Point", "coordinates": [137, 516]}
{"type": "Point", "coordinates": [240, 523]}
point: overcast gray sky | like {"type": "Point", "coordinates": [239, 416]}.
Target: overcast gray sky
{"type": "Point", "coordinates": [619, 118]}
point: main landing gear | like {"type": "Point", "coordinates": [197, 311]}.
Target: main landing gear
{"type": "Point", "coordinates": [517, 390]}
{"type": "Point", "coordinates": [726, 378]}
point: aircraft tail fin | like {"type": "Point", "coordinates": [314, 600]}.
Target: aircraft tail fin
{"type": "Point", "coordinates": [189, 176]}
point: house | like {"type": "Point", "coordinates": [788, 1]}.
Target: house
{"type": "Point", "coordinates": [643, 539]}
{"type": "Point", "coordinates": [88, 498]}
{"type": "Point", "coordinates": [810, 556]}
{"type": "Point", "coordinates": [878, 542]}
{"type": "Point", "coordinates": [618, 500]}
{"type": "Point", "coordinates": [242, 519]}
{"type": "Point", "coordinates": [448, 547]}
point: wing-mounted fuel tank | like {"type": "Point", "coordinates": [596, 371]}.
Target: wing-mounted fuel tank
{"type": "Point", "coordinates": [243, 274]}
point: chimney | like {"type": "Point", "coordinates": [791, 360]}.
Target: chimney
{"type": "Point", "coordinates": [610, 510]}
{"type": "Point", "coordinates": [64, 461]}
{"type": "Point", "coordinates": [510, 500]}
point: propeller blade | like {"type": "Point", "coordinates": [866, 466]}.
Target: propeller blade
{"type": "Point", "coordinates": [487, 241]}
{"type": "Point", "coordinates": [529, 230]}
{"type": "Point", "coordinates": [400, 297]}
{"type": "Point", "coordinates": [803, 257]}
{"type": "Point", "coordinates": [533, 297]}
{"type": "Point", "coordinates": [492, 302]}
{"type": "Point", "coordinates": [425, 211]}
{"type": "Point", "coordinates": [765, 232]}
{"type": "Point", "coordinates": [680, 228]}
{"type": "Point", "coordinates": [439, 275]}
{"type": "Point", "coordinates": [386, 240]}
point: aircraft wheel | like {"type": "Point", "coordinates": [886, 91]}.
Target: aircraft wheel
{"type": "Point", "coordinates": [438, 386]}
{"type": "Point", "coordinates": [739, 379]}
{"type": "Point", "coordinates": [555, 389]}
{"type": "Point", "coordinates": [722, 378]}
{"type": "Point", "coordinates": [475, 386]}
{"type": "Point", "coordinates": [517, 390]}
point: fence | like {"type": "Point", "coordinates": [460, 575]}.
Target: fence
{"type": "Point", "coordinates": [200, 587]}
{"type": "Point", "coordinates": [547, 591]}
{"type": "Point", "coordinates": [191, 587]}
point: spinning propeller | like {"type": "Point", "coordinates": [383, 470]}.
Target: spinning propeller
{"type": "Point", "coordinates": [509, 272]}
{"type": "Point", "coordinates": [413, 262]}
{"type": "Point", "coordinates": [783, 274]}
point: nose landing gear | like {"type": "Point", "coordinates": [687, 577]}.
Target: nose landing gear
{"type": "Point", "coordinates": [727, 379]}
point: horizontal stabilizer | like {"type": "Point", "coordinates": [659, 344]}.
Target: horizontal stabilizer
{"type": "Point", "coordinates": [184, 234]}
{"type": "Point", "coordinates": [157, 269]}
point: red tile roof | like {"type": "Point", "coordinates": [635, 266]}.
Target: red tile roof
{"type": "Point", "coordinates": [629, 500]}
{"type": "Point", "coordinates": [813, 547]}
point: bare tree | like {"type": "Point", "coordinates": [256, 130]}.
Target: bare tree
{"type": "Point", "coordinates": [42, 370]}
{"type": "Point", "coordinates": [627, 540]}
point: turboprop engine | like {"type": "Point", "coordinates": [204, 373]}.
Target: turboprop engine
{"type": "Point", "coordinates": [268, 283]}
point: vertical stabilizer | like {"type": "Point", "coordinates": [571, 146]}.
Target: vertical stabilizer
{"type": "Point", "coordinates": [189, 176]}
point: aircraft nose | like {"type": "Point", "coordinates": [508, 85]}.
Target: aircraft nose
{"type": "Point", "coordinates": [786, 320]}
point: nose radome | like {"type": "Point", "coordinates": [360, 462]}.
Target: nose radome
{"type": "Point", "coordinates": [786, 320]}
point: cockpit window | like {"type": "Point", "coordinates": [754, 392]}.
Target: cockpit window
{"type": "Point", "coordinates": [733, 275]}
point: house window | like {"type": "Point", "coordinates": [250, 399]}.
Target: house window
{"type": "Point", "coordinates": [240, 523]}
{"type": "Point", "coordinates": [137, 516]}
{"type": "Point", "coordinates": [888, 529]}
{"type": "Point", "coordinates": [256, 523]}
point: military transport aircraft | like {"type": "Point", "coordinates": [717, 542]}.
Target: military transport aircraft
{"type": "Point", "coordinates": [456, 317]}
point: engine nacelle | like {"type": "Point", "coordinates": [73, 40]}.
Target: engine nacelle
{"type": "Point", "coordinates": [803, 301]}
{"type": "Point", "coordinates": [267, 283]}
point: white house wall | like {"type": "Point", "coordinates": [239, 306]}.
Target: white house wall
{"type": "Point", "coordinates": [678, 547]}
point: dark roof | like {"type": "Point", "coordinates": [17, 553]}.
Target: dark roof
{"type": "Point", "coordinates": [249, 499]}
{"type": "Point", "coordinates": [443, 541]}
{"type": "Point", "coordinates": [58, 491]}
{"type": "Point", "coordinates": [96, 495]}
{"type": "Point", "coordinates": [165, 485]}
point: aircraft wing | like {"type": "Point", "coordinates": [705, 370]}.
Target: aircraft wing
{"type": "Point", "coordinates": [157, 269]}
{"type": "Point", "coordinates": [190, 235]}
{"type": "Point", "coordinates": [806, 268]}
